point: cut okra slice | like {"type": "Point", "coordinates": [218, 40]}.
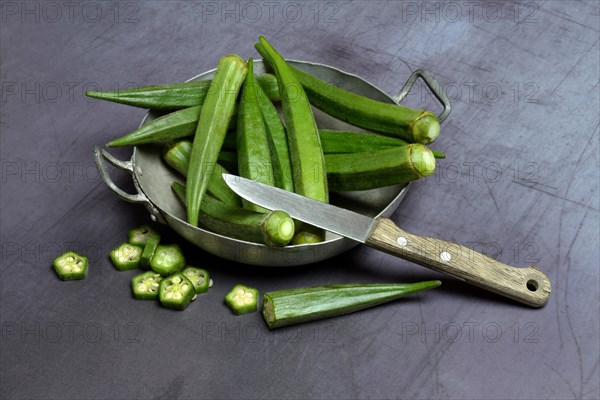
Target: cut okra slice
{"type": "Point", "coordinates": [149, 250]}
{"type": "Point", "coordinates": [71, 266]}
{"type": "Point", "coordinates": [145, 286]}
{"type": "Point", "coordinates": [242, 299]}
{"type": "Point", "coordinates": [167, 260]}
{"type": "Point", "coordinates": [139, 236]}
{"type": "Point", "coordinates": [126, 257]}
{"type": "Point", "coordinates": [199, 278]}
{"type": "Point", "coordinates": [176, 291]}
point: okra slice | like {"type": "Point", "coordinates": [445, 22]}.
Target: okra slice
{"type": "Point", "coordinates": [199, 278]}
{"type": "Point", "coordinates": [71, 266]}
{"type": "Point", "coordinates": [139, 236]}
{"type": "Point", "coordinates": [242, 299]}
{"type": "Point", "coordinates": [176, 291]}
{"type": "Point", "coordinates": [126, 257]}
{"type": "Point", "coordinates": [145, 286]}
{"type": "Point", "coordinates": [149, 250]}
{"type": "Point", "coordinates": [167, 260]}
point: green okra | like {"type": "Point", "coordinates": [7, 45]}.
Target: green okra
{"type": "Point", "coordinates": [176, 292]}
{"type": "Point", "coordinates": [175, 96]}
{"type": "Point", "coordinates": [294, 306]}
{"type": "Point", "coordinates": [253, 152]}
{"type": "Point", "coordinates": [212, 126]}
{"type": "Point", "coordinates": [370, 170]}
{"type": "Point", "coordinates": [275, 228]}
{"type": "Point", "coordinates": [308, 163]}
{"type": "Point", "coordinates": [70, 266]}
{"type": "Point", "coordinates": [415, 126]}
{"type": "Point", "coordinates": [277, 137]}
{"type": "Point", "coordinates": [242, 299]}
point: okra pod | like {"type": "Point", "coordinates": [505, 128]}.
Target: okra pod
{"type": "Point", "coordinates": [253, 153]}
{"type": "Point", "coordinates": [175, 96]}
{"type": "Point", "coordinates": [334, 142]}
{"type": "Point", "coordinates": [415, 126]}
{"type": "Point", "coordinates": [308, 163]}
{"type": "Point", "coordinates": [293, 306]}
{"type": "Point", "coordinates": [275, 228]}
{"type": "Point", "coordinates": [369, 170]}
{"type": "Point", "coordinates": [357, 142]}
{"type": "Point", "coordinates": [212, 126]}
{"type": "Point", "coordinates": [277, 137]}
{"type": "Point", "coordinates": [176, 125]}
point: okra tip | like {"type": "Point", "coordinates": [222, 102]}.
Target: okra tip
{"type": "Point", "coordinates": [431, 284]}
{"type": "Point", "coordinates": [425, 129]}
{"type": "Point", "coordinates": [422, 159]}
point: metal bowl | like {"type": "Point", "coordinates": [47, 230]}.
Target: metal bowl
{"type": "Point", "coordinates": [152, 180]}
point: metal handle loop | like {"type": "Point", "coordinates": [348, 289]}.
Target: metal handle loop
{"type": "Point", "coordinates": [433, 85]}
{"type": "Point", "coordinates": [99, 156]}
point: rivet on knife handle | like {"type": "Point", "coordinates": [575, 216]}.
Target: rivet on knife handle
{"type": "Point", "coordinates": [526, 285]}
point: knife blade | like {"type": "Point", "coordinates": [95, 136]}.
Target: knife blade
{"type": "Point", "coordinates": [322, 215]}
{"type": "Point", "coordinates": [526, 285]}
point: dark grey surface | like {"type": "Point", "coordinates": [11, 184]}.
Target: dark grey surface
{"type": "Point", "coordinates": [525, 91]}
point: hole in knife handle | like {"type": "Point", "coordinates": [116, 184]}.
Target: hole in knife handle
{"type": "Point", "coordinates": [532, 285]}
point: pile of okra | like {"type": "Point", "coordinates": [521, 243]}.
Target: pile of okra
{"type": "Point", "coordinates": [232, 123]}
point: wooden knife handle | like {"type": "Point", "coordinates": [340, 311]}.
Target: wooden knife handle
{"type": "Point", "coordinates": [526, 285]}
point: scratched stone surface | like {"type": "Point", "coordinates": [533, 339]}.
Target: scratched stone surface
{"type": "Point", "coordinates": [520, 183]}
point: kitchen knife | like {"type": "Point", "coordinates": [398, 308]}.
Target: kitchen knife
{"type": "Point", "coordinates": [526, 285]}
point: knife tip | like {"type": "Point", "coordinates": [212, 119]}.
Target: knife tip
{"type": "Point", "coordinates": [228, 178]}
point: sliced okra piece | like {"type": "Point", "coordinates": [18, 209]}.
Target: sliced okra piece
{"type": "Point", "coordinates": [71, 266]}
{"type": "Point", "coordinates": [149, 250]}
{"type": "Point", "coordinates": [145, 286]}
{"type": "Point", "coordinates": [167, 260]}
{"type": "Point", "coordinates": [242, 299]}
{"type": "Point", "coordinates": [199, 278]}
{"type": "Point", "coordinates": [126, 257]}
{"type": "Point", "coordinates": [176, 291]}
{"type": "Point", "coordinates": [139, 236]}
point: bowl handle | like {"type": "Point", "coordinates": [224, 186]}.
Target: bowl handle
{"type": "Point", "coordinates": [433, 85]}
{"type": "Point", "coordinates": [99, 156]}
